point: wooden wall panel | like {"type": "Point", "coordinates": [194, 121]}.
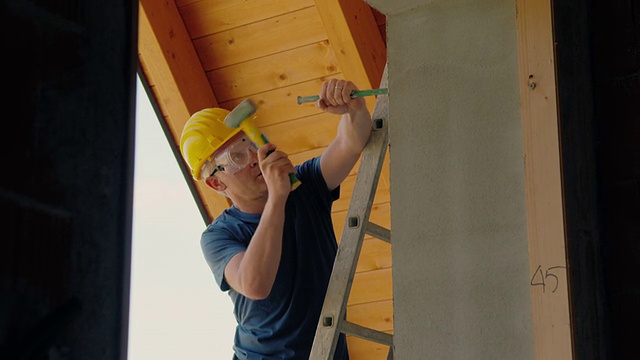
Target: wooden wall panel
{"type": "Point", "coordinates": [280, 104]}
{"type": "Point", "coordinates": [377, 315]}
{"type": "Point", "coordinates": [321, 131]}
{"type": "Point", "coordinates": [375, 254]}
{"type": "Point", "coordinates": [371, 286]}
{"type": "Point", "coordinates": [258, 39]}
{"type": "Point", "coordinates": [211, 16]}
{"type": "Point", "coordinates": [299, 158]}
{"type": "Point", "coordinates": [382, 195]}
{"type": "Point", "coordinates": [278, 70]}
{"type": "Point", "coordinates": [366, 350]}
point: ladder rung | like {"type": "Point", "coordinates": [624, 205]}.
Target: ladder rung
{"type": "Point", "coordinates": [366, 333]}
{"type": "Point", "coordinates": [379, 232]}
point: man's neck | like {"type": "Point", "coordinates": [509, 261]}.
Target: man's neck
{"type": "Point", "coordinates": [254, 206]}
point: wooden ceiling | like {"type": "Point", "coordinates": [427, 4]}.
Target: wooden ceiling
{"type": "Point", "coordinates": [212, 53]}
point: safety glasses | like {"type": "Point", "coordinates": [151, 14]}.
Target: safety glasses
{"type": "Point", "coordinates": [233, 159]}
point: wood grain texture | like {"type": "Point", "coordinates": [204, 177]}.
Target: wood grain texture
{"type": "Point", "coordinates": [258, 39]}
{"type": "Point", "coordinates": [278, 70]}
{"type": "Point", "coordinates": [543, 183]}
{"type": "Point", "coordinates": [180, 86]}
{"type": "Point", "coordinates": [212, 16]}
{"type": "Point", "coordinates": [366, 350]}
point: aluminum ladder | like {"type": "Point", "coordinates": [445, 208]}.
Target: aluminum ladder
{"type": "Point", "coordinates": [332, 320]}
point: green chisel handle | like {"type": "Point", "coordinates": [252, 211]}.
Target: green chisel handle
{"type": "Point", "coordinates": [354, 94]}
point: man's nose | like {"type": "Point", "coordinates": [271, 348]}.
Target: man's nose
{"type": "Point", "coordinates": [253, 156]}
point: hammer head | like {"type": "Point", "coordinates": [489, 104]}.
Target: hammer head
{"type": "Point", "coordinates": [240, 113]}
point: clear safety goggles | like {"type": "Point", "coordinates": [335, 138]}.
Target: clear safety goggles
{"type": "Point", "coordinates": [234, 158]}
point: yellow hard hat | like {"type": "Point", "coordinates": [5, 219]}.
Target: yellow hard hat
{"type": "Point", "coordinates": [203, 134]}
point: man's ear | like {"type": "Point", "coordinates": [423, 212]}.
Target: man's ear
{"type": "Point", "coordinates": [215, 183]}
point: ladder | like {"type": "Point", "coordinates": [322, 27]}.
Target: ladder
{"type": "Point", "coordinates": [332, 320]}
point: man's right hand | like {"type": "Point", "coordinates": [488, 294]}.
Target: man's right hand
{"type": "Point", "coordinates": [275, 167]}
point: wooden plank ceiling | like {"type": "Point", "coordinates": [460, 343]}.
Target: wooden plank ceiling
{"type": "Point", "coordinates": [206, 53]}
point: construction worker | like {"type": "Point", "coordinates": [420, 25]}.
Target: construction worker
{"type": "Point", "coordinates": [273, 249]}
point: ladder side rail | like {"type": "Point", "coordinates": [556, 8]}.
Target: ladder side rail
{"type": "Point", "coordinates": [334, 308]}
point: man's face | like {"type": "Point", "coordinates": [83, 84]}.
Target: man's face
{"type": "Point", "coordinates": [237, 169]}
{"type": "Point", "coordinates": [236, 155]}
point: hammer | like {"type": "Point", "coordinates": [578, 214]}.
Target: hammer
{"type": "Point", "coordinates": [240, 117]}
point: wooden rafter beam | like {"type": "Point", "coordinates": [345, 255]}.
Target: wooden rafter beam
{"type": "Point", "coordinates": [175, 73]}
{"type": "Point", "coordinates": [354, 35]}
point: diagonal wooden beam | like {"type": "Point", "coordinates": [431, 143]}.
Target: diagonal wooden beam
{"type": "Point", "coordinates": [166, 50]}
{"type": "Point", "coordinates": [353, 33]}
{"type": "Point", "coordinates": [177, 79]}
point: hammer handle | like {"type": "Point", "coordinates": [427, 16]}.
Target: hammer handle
{"type": "Point", "coordinates": [260, 139]}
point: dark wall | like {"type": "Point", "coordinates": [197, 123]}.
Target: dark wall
{"type": "Point", "coordinates": [598, 68]}
{"type": "Point", "coordinates": [67, 177]}
{"type": "Point", "coordinates": [617, 110]}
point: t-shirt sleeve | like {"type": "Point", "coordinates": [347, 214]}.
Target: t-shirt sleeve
{"type": "Point", "coordinates": [218, 247]}
{"type": "Point", "coordinates": [310, 173]}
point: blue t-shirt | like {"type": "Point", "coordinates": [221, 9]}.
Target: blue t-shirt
{"type": "Point", "coordinates": [283, 325]}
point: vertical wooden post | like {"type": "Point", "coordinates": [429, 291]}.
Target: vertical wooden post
{"type": "Point", "coordinates": [545, 215]}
